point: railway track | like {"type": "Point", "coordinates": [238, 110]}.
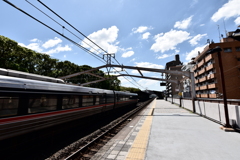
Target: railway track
{"type": "Point", "coordinates": [87, 146]}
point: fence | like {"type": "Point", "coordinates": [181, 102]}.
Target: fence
{"type": "Point", "coordinates": [212, 109]}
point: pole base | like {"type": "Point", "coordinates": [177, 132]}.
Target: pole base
{"type": "Point", "coordinates": [227, 129]}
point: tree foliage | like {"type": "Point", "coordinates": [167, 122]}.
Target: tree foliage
{"type": "Point", "coordinates": [130, 89]}
{"type": "Point", "coordinates": [16, 57]}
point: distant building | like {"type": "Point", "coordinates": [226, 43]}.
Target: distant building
{"type": "Point", "coordinates": [187, 81]}
{"type": "Point", "coordinates": [172, 89]}
{"type": "Point", "coordinates": [207, 73]}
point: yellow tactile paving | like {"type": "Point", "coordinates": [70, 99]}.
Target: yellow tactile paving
{"type": "Point", "coordinates": [139, 146]}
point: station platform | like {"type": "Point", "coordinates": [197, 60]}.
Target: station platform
{"type": "Point", "coordinates": [166, 131]}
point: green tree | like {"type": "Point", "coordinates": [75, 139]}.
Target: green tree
{"type": "Point", "coordinates": [16, 57]}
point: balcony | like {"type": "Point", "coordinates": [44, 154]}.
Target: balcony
{"type": "Point", "coordinates": [203, 87]}
{"type": "Point", "coordinates": [202, 71]}
{"type": "Point", "coordinates": [200, 63]}
{"type": "Point", "coordinates": [197, 88]}
{"type": "Point", "coordinates": [204, 95]}
{"type": "Point", "coordinates": [208, 58]}
{"type": "Point", "coordinates": [211, 66]}
{"type": "Point", "coordinates": [196, 74]}
{"type": "Point", "coordinates": [203, 79]}
{"type": "Point", "coordinates": [198, 95]}
{"type": "Point", "coordinates": [196, 81]}
{"type": "Point", "coordinates": [195, 67]}
{"type": "Point", "coordinates": [211, 76]}
{"type": "Point", "coordinates": [212, 95]}
{"type": "Point", "coordinates": [210, 86]}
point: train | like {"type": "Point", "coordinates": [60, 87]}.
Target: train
{"type": "Point", "coordinates": [30, 102]}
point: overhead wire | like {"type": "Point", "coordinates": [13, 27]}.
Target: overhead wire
{"type": "Point", "coordinates": [62, 26]}
{"type": "Point", "coordinates": [71, 26]}
{"type": "Point", "coordinates": [83, 35]}
{"type": "Point", "coordinates": [85, 49]}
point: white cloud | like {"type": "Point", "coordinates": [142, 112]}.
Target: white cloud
{"type": "Point", "coordinates": [36, 46]}
{"type": "Point", "coordinates": [64, 56]}
{"type": "Point", "coordinates": [177, 51]}
{"type": "Point", "coordinates": [202, 25]}
{"type": "Point", "coordinates": [52, 42]}
{"type": "Point", "coordinates": [183, 24]}
{"type": "Point", "coordinates": [125, 82]}
{"type": "Point", "coordinates": [237, 21]}
{"type": "Point", "coordinates": [164, 56]}
{"type": "Point", "coordinates": [124, 49]}
{"type": "Point", "coordinates": [194, 40]}
{"type": "Point", "coordinates": [229, 9]}
{"type": "Point", "coordinates": [148, 65]}
{"type": "Point", "coordinates": [146, 35]}
{"type": "Point", "coordinates": [34, 40]}
{"type": "Point", "coordinates": [105, 38]}
{"type": "Point", "coordinates": [169, 40]}
{"type": "Point", "coordinates": [33, 46]}
{"type": "Point", "coordinates": [58, 49]}
{"type": "Point", "coordinates": [132, 60]}
{"type": "Point", "coordinates": [127, 54]}
{"type": "Point", "coordinates": [116, 71]}
{"type": "Point", "coordinates": [150, 84]}
{"type": "Point", "coordinates": [141, 29]}
{"type": "Point", "coordinates": [194, 52]}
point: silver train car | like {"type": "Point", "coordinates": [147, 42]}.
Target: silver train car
{"type": "Point", "coordinates": [28, 104]}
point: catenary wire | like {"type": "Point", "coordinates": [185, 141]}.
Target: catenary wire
{"type": "Point", "coordinates": [82, 35]}
{"type": "Point", "coordinates": [85, 49]}
{"type": "Point", "coordinates": [85, 37]}
{"type": "Point", "coordinates": [62, 26]}
{"type": "Point", "coordinates": [71, 26]}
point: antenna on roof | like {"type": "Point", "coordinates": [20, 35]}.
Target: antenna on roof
{"type": "Point", "coordinates": [225, 27]}
{"type": "Point", "coordinates": [219, 34]}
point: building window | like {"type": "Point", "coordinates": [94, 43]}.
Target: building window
{"type": "Point", "coordinates": [238, 49]}
{"type": "Point", "coordinates": [227, 49]}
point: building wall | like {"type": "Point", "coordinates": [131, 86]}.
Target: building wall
{"type": "Point", "coordinates": [170, 87]}
{"type": "Point", "coordinates": [176, 88]}
{"type": "Point", "coordinates": [207, 71]}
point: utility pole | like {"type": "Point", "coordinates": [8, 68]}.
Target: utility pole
{"type": "Point", "coordinates": [218, 50]}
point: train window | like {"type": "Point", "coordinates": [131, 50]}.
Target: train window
{"type": "Point", "coordinates": [110, 98]}
{"type": "Point", "coordinates": [118, 98]}
{"type": "Point", "coordinates": [102, 99]}
{"type": "Point", "coordinates": [87, 100]}
{"type": "Point", "coordinates": [42, 103]}
{"type": "Point", "coordinates": [97, 101]}
{"type": "Point", "coordinates": [70, 102]}
{"type": "Point", "coordinates": [8, 106]}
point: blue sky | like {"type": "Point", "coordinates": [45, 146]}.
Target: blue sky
{"type": "Point", "coordinates": [144, 33]}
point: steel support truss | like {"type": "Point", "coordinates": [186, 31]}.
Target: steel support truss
{"type": "Point", "coordinates": [139, 69]}
{"type": "Point", "coordinates": [185, 74]}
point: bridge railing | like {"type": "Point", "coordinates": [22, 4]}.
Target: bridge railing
{"type": "Point", "coordinates": [212, 109]}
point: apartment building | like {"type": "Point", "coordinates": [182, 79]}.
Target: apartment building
{"type": "Point", "coordinates": [172, 89]}
{"type": "Point", "coordinates": [207, 72]}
